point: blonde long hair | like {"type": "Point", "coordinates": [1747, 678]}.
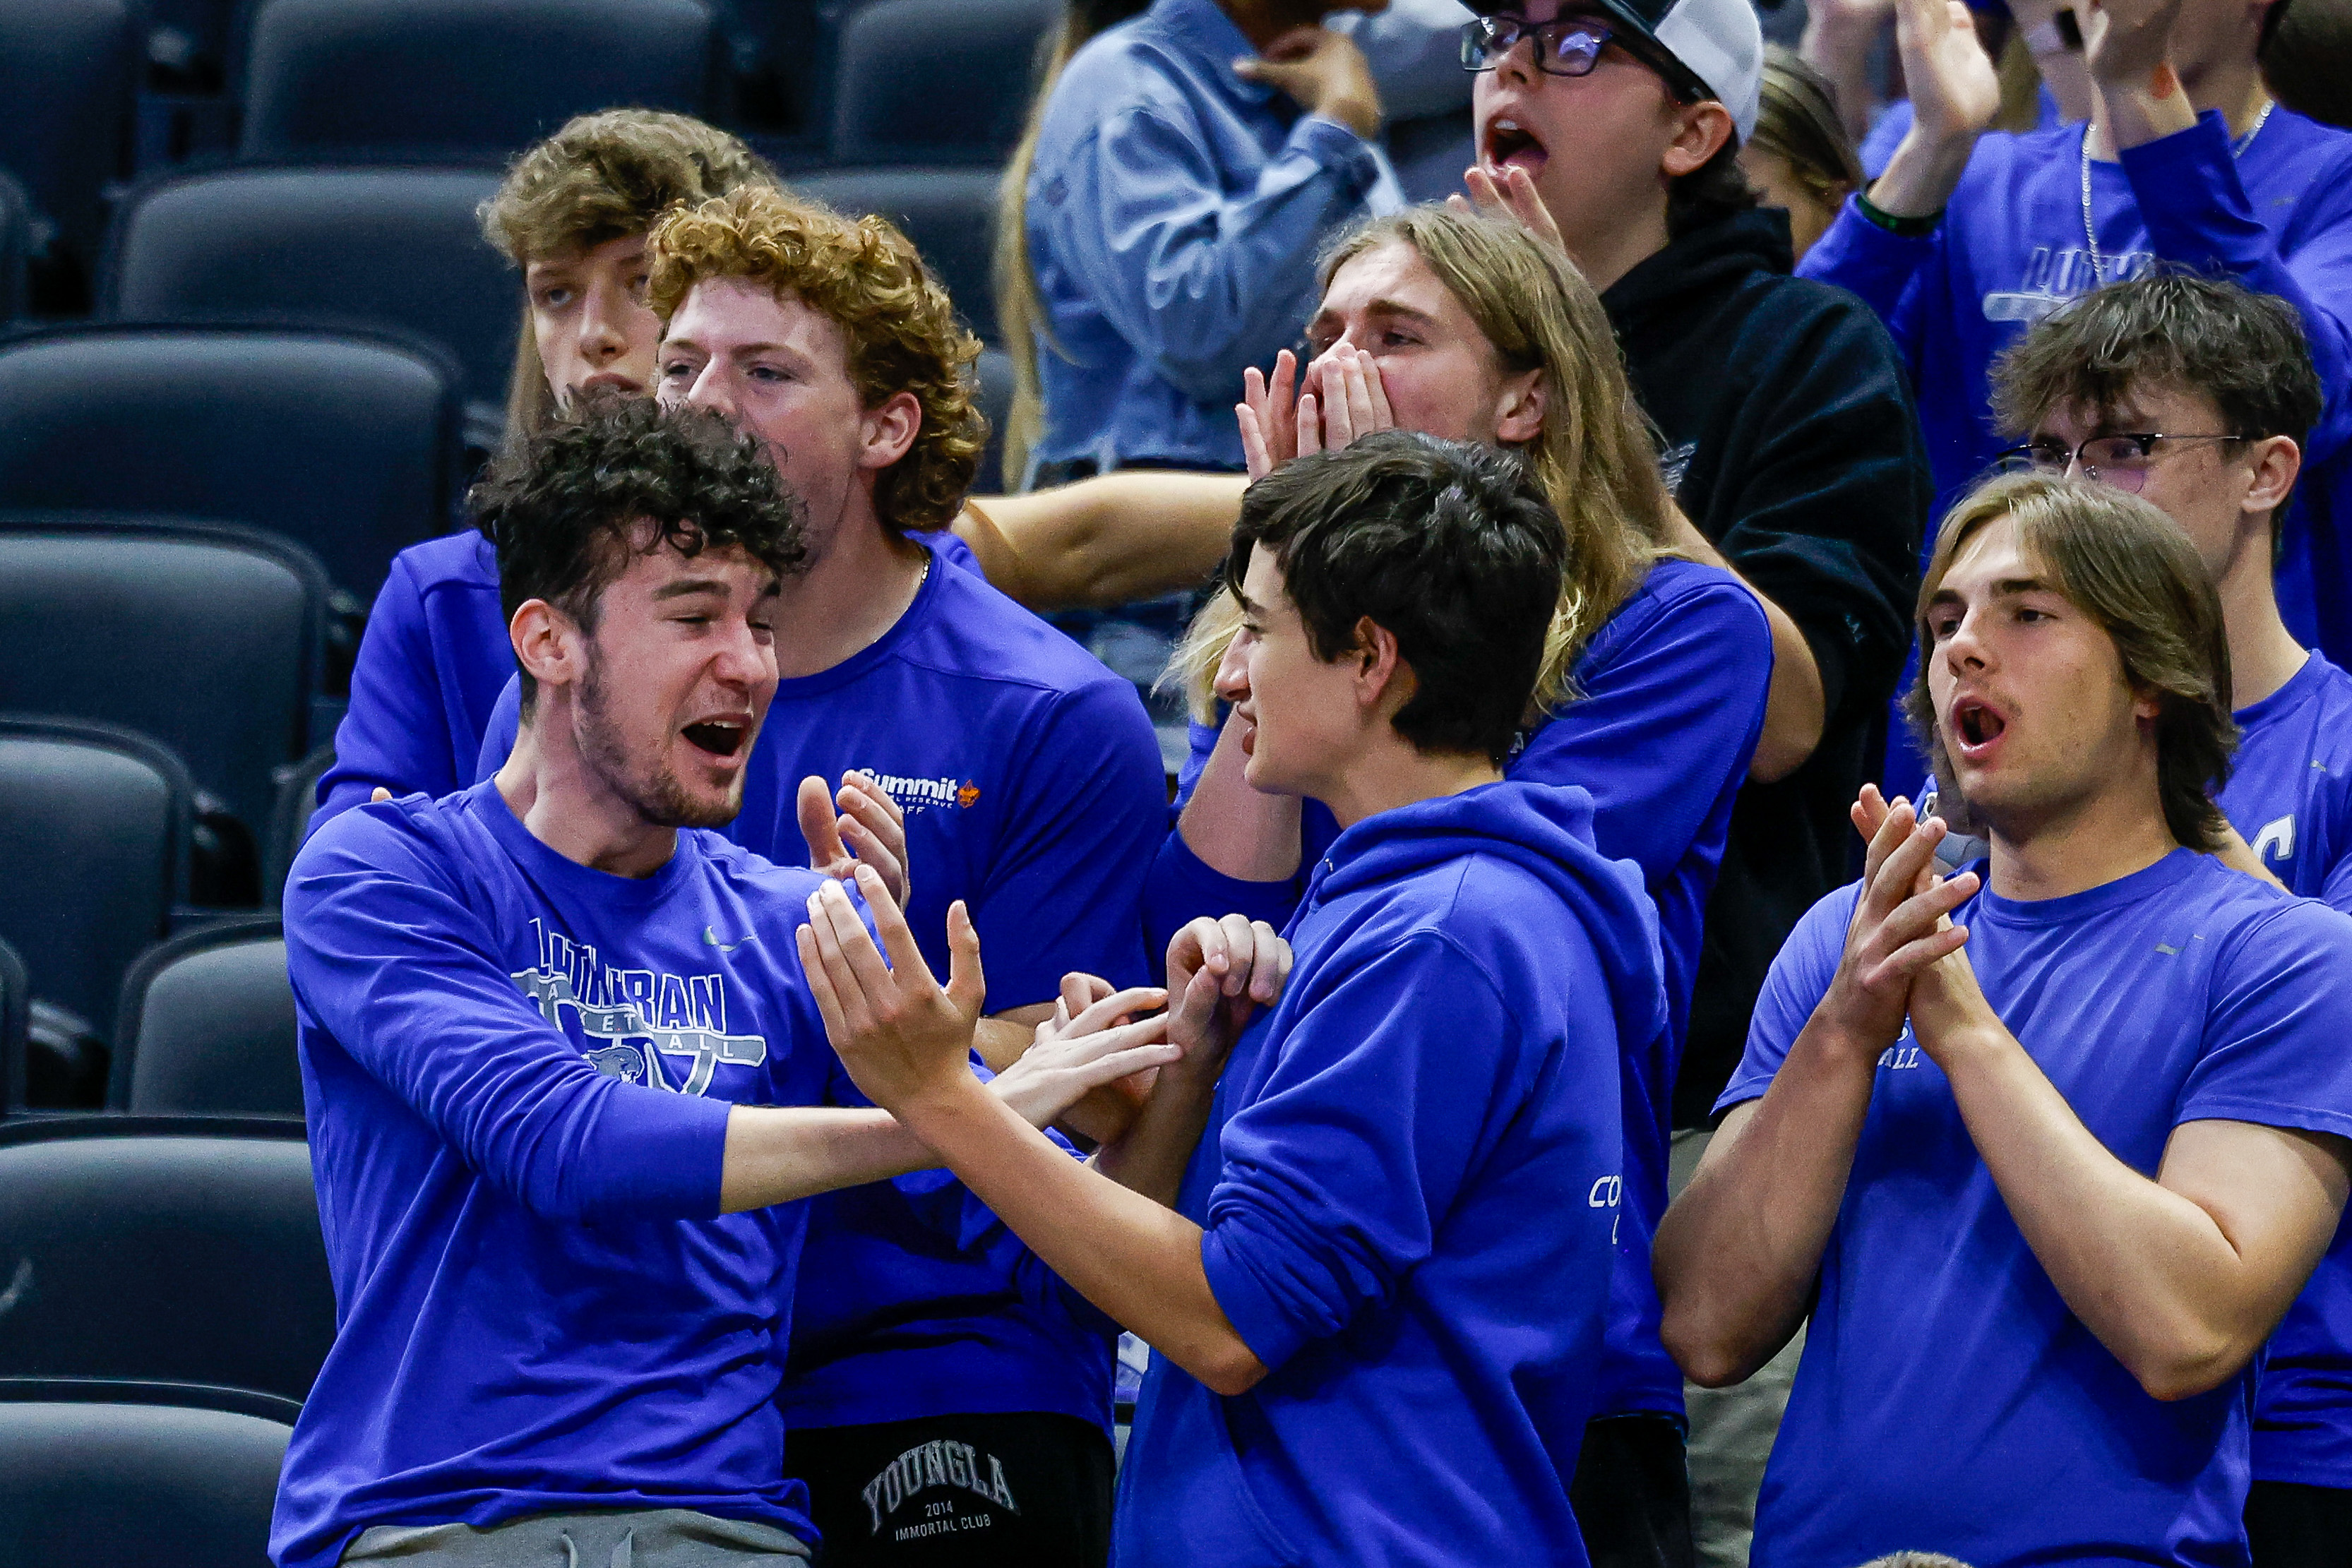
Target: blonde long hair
{"type": "Point", "coordinates": [1595, 458]}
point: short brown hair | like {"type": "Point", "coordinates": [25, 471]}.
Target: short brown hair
{"type": "Point", "coordinates": [866, 277]}
{"type": "Point", "coordinates": [2129, 567]}
{"type": "Point", "coordinates": [1797, 120]}
{"type": "Point", "coordinates": [602, 176]}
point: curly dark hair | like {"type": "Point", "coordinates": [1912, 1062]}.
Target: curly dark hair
{"type": "Point", "coordinates": [1450, 545]}
{"type": "Point", "coordinates": [564, 508]}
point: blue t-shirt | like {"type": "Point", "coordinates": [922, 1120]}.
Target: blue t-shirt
{"type": "Point", "coordinates": [1671, 692]}
{"type": "Point", "coordinates": [430, 667]}
{"type": "Point", "coordinates": [2290, 795]}
{"type": "Point", "coordinates": [1408, 1184]}
{"type": "Point", "coordinates": [1948, 1400]}
{"type": "Point", "coordinates": [517, 1073]}
{"type": "Point", "coordinates": [1034, 792]}
{"type": "Point", "coordinates": [2012, 247]}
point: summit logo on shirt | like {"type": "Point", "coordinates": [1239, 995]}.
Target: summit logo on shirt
{"type": "Point", "coordinates": [640, 1016]}
{"type": "Point", "coordinates": [919, 795]}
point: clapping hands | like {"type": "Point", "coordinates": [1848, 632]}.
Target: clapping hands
{"type": "Point", "coordinates": [1340, 397]}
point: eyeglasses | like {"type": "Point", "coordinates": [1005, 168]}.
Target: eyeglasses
{"type": "Point", "coordinates": [2122, 461]}
{"type": "Point", "coordinates": [1570, 47]}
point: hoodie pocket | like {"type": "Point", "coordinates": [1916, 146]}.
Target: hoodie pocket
{"type": "Point", "coordinates": [1192, 1501]}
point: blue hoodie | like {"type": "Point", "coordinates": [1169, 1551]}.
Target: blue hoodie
{"type": "Point", "coordinates": [1409, 1184]}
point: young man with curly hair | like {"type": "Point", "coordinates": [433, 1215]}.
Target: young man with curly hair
{"type": "Point", "coordinates": [1032, 791]}
{"type": "Point", "coordinates": [2044, 1148]}
{"type": "Point", "coordinates": [564, 1079]}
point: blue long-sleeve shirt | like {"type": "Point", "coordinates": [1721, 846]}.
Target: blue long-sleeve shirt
{"type": "Point", "coordinates": [1174, 216]}
{"type": "Point", "coordinates": [1408, 1187]}
{"type": "Point", "coordinates": [2277, 217]}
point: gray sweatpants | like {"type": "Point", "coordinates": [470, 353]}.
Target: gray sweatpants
{"type": "Point", "coordinates": [623, 1538]}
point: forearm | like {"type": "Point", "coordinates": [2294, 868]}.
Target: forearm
{"type": "Point", "coordinates": [1838, 41]}
{"type": "Point", "coordinates": [1236, 830]}
{"type": "Point", "coordinates": [1737, 1254]}
{"type": "Point", "coordinates": [2143, 111]}
{"type": "Point", "coordinates": [1795, 705]}
{"type": "Point", "coordinates": [1919, 180]}
{"type": "Point", "coordinates": [1151, 1157]}
{"type": "Point", "coordinates": [777, 1154]}
{"type": "Point", "coordinates": [2149, 1271]}
{"type": "Point", "coordinates": [1106, 540]}
{"type": "Point", "coordinates": [1136, 1260]}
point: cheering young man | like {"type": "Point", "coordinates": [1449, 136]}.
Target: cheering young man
{"type": "Point", "coordinates": [2045, 1148]}
{"type": "Point", "coordinates": [560, 1066]}
{"type": "Point", "coordinates": [1377, 1301]}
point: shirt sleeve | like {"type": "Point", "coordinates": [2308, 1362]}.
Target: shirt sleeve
{"type": "Point", "coordinates": [1336, 1177]}
{"type": "Point", "coordinates": [1201, 282]}
{"type": "Point", "coordinates": [2197, 214]}
{"type": "Point", "coordinates": [1876, 264]}
{"type": "Point", "coordinates": [2336, 890]}
{"type": "Point", "coordinates": [1665, 726]}
{"type": "Point", "coordinates": [394, 734]}
{"type": "Point", "coordinates": [1799, 980]}
{"type": "Point", "coordinates": [2277, 1025]}
{"type": "Point", "coordinates": [386, 956]}
{"type": "Point", "coordinates": [1063, 885]}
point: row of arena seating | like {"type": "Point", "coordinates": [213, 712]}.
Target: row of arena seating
{"type": "Point", "coordinates": [937, 84]}
{"type": "Point", "coordinates": [165, 1307]}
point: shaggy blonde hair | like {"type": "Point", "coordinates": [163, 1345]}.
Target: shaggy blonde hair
{"type": "Point", "coordinates": [602, 177]}
{"type": "Point", "coordinates": [1595, 458]}
{"type": "Point", "coordinates": [866, 276]}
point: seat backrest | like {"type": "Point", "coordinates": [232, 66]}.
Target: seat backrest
{"type": "Point", "coordinates": [458, 81]}
{"type": "Point", "coordinates": [349, 446]}
{"type": "Point", "coordinates": [206, 1027]}
{"type": "Point", "coordinates": [950, 213]}
{"type": "Point", "coordinates": [16, 245]}
{"type": "Point", "coordinates": [67, 68]}
{"type": "Point", "coordinates": [290, 820]}
{"type": "Point", "coordinates": [15, 996]}
{"type": "Point", "coordinates": [163, 1249]}
{"type": "Point", "coordinates": [93, 855]}
{"type": "Point", "coordinates": [995, 374]}
{"type": "Point", "coordinates": [203, 637]}
{"type": "Point", "coordinates": [335, 249]}
{"type": "Point", "coordinates": [136, 1485]}
{"type": "Point", "coordinates": [935, 81]}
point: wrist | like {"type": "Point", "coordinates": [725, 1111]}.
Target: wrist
{"type": "Point", "coordinates": [1359, 114]}
{"type": "Point", "coordinates": [934, 1109]}
{"type": "Point", "coordinates": [1921, 176]}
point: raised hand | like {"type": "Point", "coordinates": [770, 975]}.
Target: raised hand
{"type": "Point", "coordinates": [1955, 91]}
{"type": "Point", "coordinates": [1900, 926]}
{"type": "Point", "coordinates": [1324, 72]}
{"type": "Point", "coordinates": [871, 829]}
{"type": "Point", "coordinates": [1353, 398]}
{"type": "Point", "coordinates": [1268, 416]}
{"type": "Point", "coordinates": [1512, 199]}
{"type": "Point", "coordinates": [2127, 43]}
{"type": "Point", "coordinates": [1219, 972]}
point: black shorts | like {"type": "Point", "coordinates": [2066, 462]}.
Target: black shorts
{"type": "Point", "coordinates": [2296, 1526]}
{"type": "Point", "coordinates": [1029, 1489]}
{"type": "Point", "coordinates": [1632, 1494]}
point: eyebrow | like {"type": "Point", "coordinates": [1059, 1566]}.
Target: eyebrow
{"type": "Point", "coordinates": [686, 586]}
{"type": "Point", "coordinates": [2006, 588]}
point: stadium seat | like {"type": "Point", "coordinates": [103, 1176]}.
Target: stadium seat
{"type": "Point", "coordinates": [203, 637]}
{"type": "Point", "coordinates": [160, 1248]}
{"type": "Point", "coordinates": [206, 1027]}
{"type": "Point", "coordinates": [457, 81]}
{"type": "Point", "coordinates": [935, 81]}
{"type": "Point", "coordinates": [351, 447]}
{"type": "Point", "coordinates": [329, 248]}
{"type": "Point", "coordinates": [995, 370]}
{"type": "Point", "coordinates": [97, 1474]}
{"type": "Point", "coordinates": [15, 245]}
{"type": "Point", "coordinates": [289, 820]}
{"type": "Point", "coordinates": [16, 993]}
{"type": "Point", "coordinates": [94, 832]}
{"type": "Point", "coordinates": [68, 70]}
{"type": "Point", "coordinates": [950, 213]}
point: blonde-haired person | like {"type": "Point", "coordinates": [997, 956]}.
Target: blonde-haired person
{"type": "Point", "coordinates": [1032, 796]}
{"type": "Point", "coordinates": [2041, 1151]}
{"type": "Point", "coordinates": [572, 214]}
{"type": "Point", "coordinates": [1652, 697]}
{"type": "Point", "coordinates": [1799, 158]}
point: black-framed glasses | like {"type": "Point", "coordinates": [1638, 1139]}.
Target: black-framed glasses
{"type": "Point", "coordinates": [2121, 460]}
{"type": "Point", "coordinates": [1565, 47]}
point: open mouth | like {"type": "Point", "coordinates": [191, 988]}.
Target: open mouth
{"type": "Point", "coordinates": [604, 379]}
{"type": "Point", "coordinates": [1976, 725]}
{"type": "Point", "coordinates": [719, 736]}
{"type": "Point", "coordinates": [1508, 145]}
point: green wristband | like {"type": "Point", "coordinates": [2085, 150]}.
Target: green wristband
{"type": "Point", "coordinates": [1909, 228]}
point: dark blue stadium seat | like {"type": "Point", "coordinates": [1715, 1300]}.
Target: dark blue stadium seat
{"type": "Point", "coordinates": [351, 447]}
{"type": "Point", "coordinates": [15, 245]}
{"type": "Point", "coordinates": [162, 1249]}
{"type": "Point", "coordinates": [950, 213]}
{"type": "Point", "coordinates": [206, 1027]}
{"type": "Point", "coordinates": [94, 834]}
{"type": "Point", "coordinates": [98, 1475]}
{"type": "Point", "coordinates": [289, 820]}
{"type": "Point", "coordinates": [203, 637]}
{"type": "Point", "coordinates": [457, 81]}
{"type": "Point", "coordinates": [68, 70]}
{"type": "Point", "coordinates": [16, 993]}
{"type": "Point", "coordinates": [935, 81]}
{"type": "Point", "coordinates": [995, 372]}
{"type": "Point", "coordinates": [333, 248]}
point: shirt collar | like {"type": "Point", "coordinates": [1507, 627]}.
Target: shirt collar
{"type": "Point", "coordinates": [1201, 28]}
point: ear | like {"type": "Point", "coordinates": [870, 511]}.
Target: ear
{"type": "Point", "coordinates": [1519, 415]}
{"type": "Point", "coordinates": [887, 433]}
{"type": "Point", "coordinates": [547, 644]}
{"type": "Point", "coordinates": [2275, 460]}
{"type": "Point", "coordinates": [1700, 131]}
{"type": "Point", "coordinates": [1383, 681]}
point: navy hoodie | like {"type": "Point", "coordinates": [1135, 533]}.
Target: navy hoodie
{"type": "Point", "coordinates": [1409, 1187]}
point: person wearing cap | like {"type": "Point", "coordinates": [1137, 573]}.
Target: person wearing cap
{"type": "Point", "coordinates": [1970, 236]}
{"type": "Point", "coordinates": [1615, 127]}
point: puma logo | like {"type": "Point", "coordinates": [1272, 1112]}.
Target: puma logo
{"type": "Point", "coordinates": [711, 936]}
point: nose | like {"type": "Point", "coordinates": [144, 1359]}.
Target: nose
{"type": "Point", "coordinates": [711, 389]}
{"type": "Point", "coordinates": [1231, 681]}
{"type": "Point", "coordinates": [603, 332]}
{"type": "Point", "coordinates": [1518, 66]}
{"type": "Point", "coordinates": [741, 662]}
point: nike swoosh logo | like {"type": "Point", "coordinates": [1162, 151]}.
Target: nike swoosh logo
{"type": "Point", "coordinates": [711, 936]}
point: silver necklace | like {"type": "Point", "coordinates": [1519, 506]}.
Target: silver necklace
{"type": "Point", "coordinates": [2090, 230]}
